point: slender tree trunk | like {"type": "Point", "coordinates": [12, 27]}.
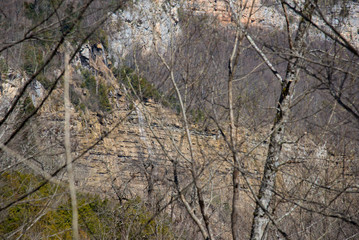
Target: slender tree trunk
{"type": "Point", "coordinates": [261, 213]}
{"type": "Point", "coordinates": [70, 171]}
{"type": "Point", "coordinates": [235, 215]}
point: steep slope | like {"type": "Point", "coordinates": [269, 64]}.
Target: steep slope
{"type": "Point", "coordinates": [128, 139]}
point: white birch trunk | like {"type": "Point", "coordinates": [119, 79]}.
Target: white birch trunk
{"type": "Point", "coordinates": [261, 213]}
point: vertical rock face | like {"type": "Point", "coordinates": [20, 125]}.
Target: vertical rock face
{"type": "Point", "coordinates": [141, 25]}
{"type": "Point", "coordinates": [253, 11]}
{"type": "Point", "coordinates": [151, 21]}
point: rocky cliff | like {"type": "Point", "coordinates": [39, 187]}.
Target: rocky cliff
{"type": "Point", "coordinates": [148, 20]}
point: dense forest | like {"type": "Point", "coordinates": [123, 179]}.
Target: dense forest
{"type": "Point", "coordinates": [190, 119]}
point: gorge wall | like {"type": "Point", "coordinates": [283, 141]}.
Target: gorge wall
{"type": "Point", "coordinates": [148, 20]}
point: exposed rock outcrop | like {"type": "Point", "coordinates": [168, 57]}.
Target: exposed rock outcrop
{"type": "Point", "coordinates": [148, 20]}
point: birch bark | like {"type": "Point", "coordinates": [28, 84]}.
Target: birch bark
{"type": "Point", "coordinates": [265, 196]}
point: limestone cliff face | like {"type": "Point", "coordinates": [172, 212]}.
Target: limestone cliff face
{"type": "Point", "coordinates": [144, 141]}
{"type": "Point", "coordinates": [254, 12]}
{"type": "Point", "coordinates": [145, 23]}
{"type": "Point", "coordinates": [152, 21]}
{"type": "Point", "coordinates": [142, 146]}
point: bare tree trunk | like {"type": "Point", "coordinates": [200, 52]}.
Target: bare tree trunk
{"type": "Point", "coordinates": [261, 213]}
{"type": "Point", "coordinates": [70, 171]}
{"type": "Point", "coordinates": [235, 215]}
